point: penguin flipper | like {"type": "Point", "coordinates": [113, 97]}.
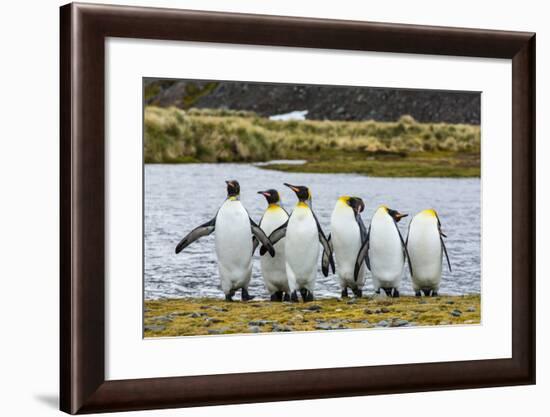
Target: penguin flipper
{"type": "Point", "coordinates": [405, 250]}
{"type": "Point", "coordinates": [255, 243]}
{"type": "Point", "coordinates": [326, 258]}
{"type": "Point", "coordinates": [262, 237]}
{"type": "Point", "coordinates": [327, 249]}
{"type": "Point", "coordinates": [362, 228]}
{"type": "Point", "coordinates": [446, 254]}
{"type": "Point", "coordinates": [275, 236]}
{"type": "Point", "coordinates": [198, 232]}
{"type": "Point", "coordinates": [441, 236]}
{"type": "Point", "coordinates": [363, 254]}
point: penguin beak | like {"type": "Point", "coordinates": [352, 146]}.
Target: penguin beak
{"type": "Point", "coordinates": [264, 193]}
{"type": "Point", "coordinates": [292, 187]}
{"type": "Point", "coordinates": [399, 216]}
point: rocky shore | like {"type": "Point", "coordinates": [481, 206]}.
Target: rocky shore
{"type": "Point", "coordinates": [207, 316]}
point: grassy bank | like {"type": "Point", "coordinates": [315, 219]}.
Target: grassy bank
{"type": "Point", "coordinates": [402, 148]}
{"type": "Point", "coordinates": [202, 316]}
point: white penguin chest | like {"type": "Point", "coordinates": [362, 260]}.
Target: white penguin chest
{"type": "Point", "coordinates": [233, 234]}
{"type": "Point", "coordinates": [345, 237]}
{"type": "Point", "coordinates": [385, 248]}
{"type": "Point", "coordinates": [302, 242]}
{"type": "Point", "coordinates": [425, 251]}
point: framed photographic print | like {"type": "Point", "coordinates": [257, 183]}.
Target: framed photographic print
{"type": "Point", "coordinates": [262, 208]}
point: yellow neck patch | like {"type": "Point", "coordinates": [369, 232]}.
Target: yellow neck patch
{"type": "Point", "coordinates": [430, 212]}
{"type": "Point", "coordinates": [344, 198]}
{"type": "Point", "coordinates": [301, 204]}
{"type": "Point", "coordinates": [273, 206]}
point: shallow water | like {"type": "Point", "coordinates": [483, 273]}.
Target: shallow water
{"type": "Point", "coordinates": [180, 197]}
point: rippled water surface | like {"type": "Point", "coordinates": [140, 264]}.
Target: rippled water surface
{"type": "Point", "coordinates": [180, 197]}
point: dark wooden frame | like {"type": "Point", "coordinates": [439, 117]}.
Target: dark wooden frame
{"type": "Point", "coordinates": [84, 29]}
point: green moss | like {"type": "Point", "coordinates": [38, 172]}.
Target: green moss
{"type": "Point", "coordinates": [202, 316]}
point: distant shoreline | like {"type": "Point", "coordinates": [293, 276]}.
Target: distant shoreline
{"type": "Point", "coordinates": [209, 316]}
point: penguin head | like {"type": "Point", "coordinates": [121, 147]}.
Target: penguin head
{"type": "Point", "coordinates": [302, 192]}
{"type": "Point", "coordinates": [356, 204]}
{"type": "Point", "coordinates": [395, 215]}
{"type": "Point", "coordinates": [272, 196]}
{"type": "Point", "coordinates": [233, 188]}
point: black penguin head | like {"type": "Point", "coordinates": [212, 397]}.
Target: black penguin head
{"type": "Point", "coordinates": [302, 192]}
{"type": "Point", "coordinates": [233, 188]}
{"type": "Point", "coordinates": [272, 196]}
{"type": "Point", "coordinates": [356, 204]}
{"type": "Point", "coordinates": [395, 214]}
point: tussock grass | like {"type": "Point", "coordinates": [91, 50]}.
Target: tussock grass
{"type": "Point", "coordinates": [207, 135]}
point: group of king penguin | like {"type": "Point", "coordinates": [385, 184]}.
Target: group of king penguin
{"type": "Point", "coordinates": [292, 242]}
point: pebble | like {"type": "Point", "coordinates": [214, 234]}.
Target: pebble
{"type": "Point", "coordinates": [195, 315]}
{"type": "Point", "coordinates": [213, 320]}
{"type": "Point", "coordinates": [338, 310]}
{"type": "Point", "coordinates": [456, 313]}
{"type": "Point", "coordinates": [281, 328]}
{"type": "Point", "coordinates": [399, 323]}
{"type": "Point", "coordinates": [222, 309]}
{"type": "Point", "coordinates": [328, 326]}
{"type": "Point", "coordinates": [450, 302]}
{"type": "Point", "coordinates": [384, 310]}
{"type": "Point", "coordinates": [254, 329]}
{"type": "Point", "coordinates": [221, 330]}
{"type": "Point", "coordinates": [382, 323]}
{"type": "Point", "coordinates": [314, 307]}
{"type": "Point", "coordinates": [154, 328]}
{"type": "Point", "coordinates": [162, 319]}
{"type": "Point", "coordinates": [471, 309]}
{"type": "Point", "coordinates": [368, 311]}
{"type": "Point", "coordinates": [178, 313]}
{"type": "Point", "coordinates": [352, 301]}
{"type": "Point", "coordinates": [260, 322]}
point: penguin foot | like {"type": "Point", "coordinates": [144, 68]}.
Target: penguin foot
{"type": "Point", "coordinates": [418, 293]}
{"type": "Point", "coordinates": [307, 295]}
{"type": "Point", "coordinates": [377, 291]}
{"type": "Point", "coordinates": [245, 296]}
{"type": "Point", "coordinates": [277, 296]}
{"type": "Point", "coordinates": [358, 292]}
{"type": "Point", "coordinates": [345, 293]}
{"type": "Point", "coordinates": [286, 297]}
{"type": "Point", "coordinates": [428, 292]}
{"type": "Point", "coordinates": [391, 292]}
{"type": "Point", "coordinates": [294, 297]}
{"type": "Point", "coordinates": [228, 297]}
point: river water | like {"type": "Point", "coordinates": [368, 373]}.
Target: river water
{"type": "Point", "coordinates": [180, 197]}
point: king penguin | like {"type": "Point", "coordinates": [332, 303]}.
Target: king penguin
{"type": "Point", "coordinates": [426, 248]}
{"type": "Point", "coordinates": [234, 230]}
{"type": "Point", "coordinates": [303, 234]}
{"type": "Point", "coordinates": [274, 269]}
{"type": "Point", "coordinates": [384, 251]}
{"type": "Point", "coordinates": [347, 234]}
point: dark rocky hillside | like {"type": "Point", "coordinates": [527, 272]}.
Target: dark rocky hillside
{"type": "Point", "coordinates": [322, 102]}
